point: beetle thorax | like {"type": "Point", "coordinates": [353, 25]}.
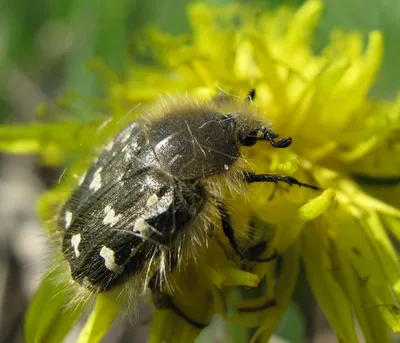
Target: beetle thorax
{"type": "Point", "coordinates": [194, 146]}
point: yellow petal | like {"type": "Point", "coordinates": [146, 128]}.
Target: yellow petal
{"type": "Point", "coordinates": [369, 317]}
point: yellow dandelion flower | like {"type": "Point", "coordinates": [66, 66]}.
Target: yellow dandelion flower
{"type": "Point", "coordinates": [343, 142]}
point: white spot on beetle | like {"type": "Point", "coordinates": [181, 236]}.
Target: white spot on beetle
{"type": "Point", "coordinates": [125, 136]}
{"type": "Point", "coordinates": [109, 260]}
{"type": "Point", "coordinates": [140, 226]}
{"type": "Point", "coordinates": [127, 156]}
{"type": "Point", "coordinates": [75, 240]}
{"type": "Point", "coordinates": [144, 228]}
{"type": "Point", "coordinates": [81, 179]}
{"type": "Point", "coordinates": [152, 200]}
{"type": "Point", "coordinates": [110, 217]}
{"type": "Point", "coordinates": [68, 219]}
{"type": "Point", "coordinates": [226, 167]}
{"type": "Point", "coordinates": [126, 133]}
{"type": "Point", "coordinates": [135, 147]}
{"type": "Point", "coordinates": [109, 146]}
{"type": "Point", "coordinates": [96, 181]}
{"type": "Point", "coordinates": [131, 150]}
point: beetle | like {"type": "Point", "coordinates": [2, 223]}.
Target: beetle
{"type": "Point", "coordinates": [154, 185]}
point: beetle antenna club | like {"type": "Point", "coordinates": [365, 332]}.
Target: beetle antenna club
{"type": "Point", "coordinates": [282, 143]}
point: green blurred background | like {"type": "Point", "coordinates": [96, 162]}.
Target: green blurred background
{"type": "Point", "coordinates": [45, 47]}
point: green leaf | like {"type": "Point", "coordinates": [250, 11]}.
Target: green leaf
{"type": "Point", "coordinates": [328, 291]}
{"type": "Point", "coordinates": [103, 315]}
{"type": "Point", "coordinates": [167, 326]}
{"type": "Point", "coordinates": [292, 327]}
{"type": "Point", "coordinates": [51, 315]}
{"type": "Point", "coordinates": [227, 332]}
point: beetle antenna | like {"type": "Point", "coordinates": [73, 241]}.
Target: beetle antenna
{"type": "Point", "coordinates": [281, 143]}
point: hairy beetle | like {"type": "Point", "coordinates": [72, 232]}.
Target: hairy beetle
{"type": "Point", "coordinates": [153, 186]}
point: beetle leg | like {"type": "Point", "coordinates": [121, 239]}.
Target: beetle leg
{"type": "Point", "coordinates": [254, 253]}
{"type": "Point", "coordinates": [165, 301]}
{"type": "Point", "coordinates": [228, 230]}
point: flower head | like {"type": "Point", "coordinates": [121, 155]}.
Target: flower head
{"type": "Point", "coordinates": [341, 139]}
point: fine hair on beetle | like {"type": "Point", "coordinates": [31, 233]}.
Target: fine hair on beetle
{"type": "Point", "coordinates": [149, 202]}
